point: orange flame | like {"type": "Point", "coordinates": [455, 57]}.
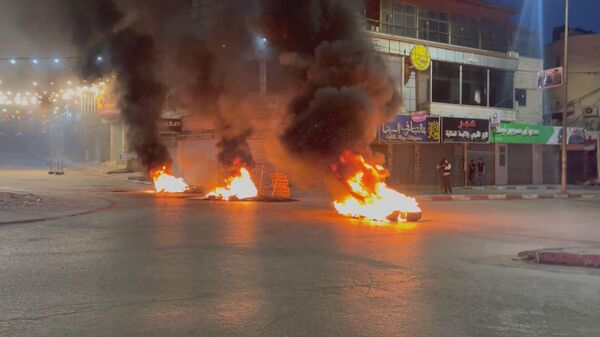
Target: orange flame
{"type": "Point", "coordinates": [237, 187]}
{"type": "Point", "coordinates": [166, 183]}
{"type": "Point", "coordinates": [369, 196]}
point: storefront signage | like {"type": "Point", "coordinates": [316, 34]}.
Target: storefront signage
{"type": "Point", "coordinates": [514, 133]}
{"type": "Point", "coordinates": [420, 57]}
{"type": "Point", "coordinates": [170, 125]}
{"type": "Point", "coordinates": [414, 128]}
{"type": "Point", "coordinates": [107, 104]}
{"type": "Point", "coordinates": [550, 78]}
{"type": "Point", "coordinates": [465, 130]}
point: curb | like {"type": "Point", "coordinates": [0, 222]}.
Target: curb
{"type": "Point", "coordinates": [487, 197]}
{"type": "Point", "coordinates": [111, 205]}
{"type": "Point", "coordinates": [512, 188]}
{"type": "Point", "coordinates": [573, 257]}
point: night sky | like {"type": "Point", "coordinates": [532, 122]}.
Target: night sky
{"type": "Point", "coordinates": [583, 14]}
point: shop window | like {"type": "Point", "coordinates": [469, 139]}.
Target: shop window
{"type": "Point", "coordinates": [501, 89]}
{"type": "Point", "coordinates": [446, 82]}
{"type": "Point", "coordinates": [474, 86]}
{"type": "Point", "coordinates": [398, 18]}
{"type": "Point", "coordinates": [521, 96]}
{"type": "Point", "coordinates": [465, 31]}
{"type": "Point", "coordinates": [494, 36]}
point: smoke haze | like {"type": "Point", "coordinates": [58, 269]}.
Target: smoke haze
{"type": "Point", "coordinates": [346, 91]}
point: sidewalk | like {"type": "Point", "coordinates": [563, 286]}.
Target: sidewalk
{"type": "Point", "coordinates": [521, 192]}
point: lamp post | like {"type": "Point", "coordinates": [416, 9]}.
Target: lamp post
{"type": "Point", "coordinates": [563, 180]}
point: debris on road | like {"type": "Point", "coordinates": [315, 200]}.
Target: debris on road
{"type": "Point", "coordinates": [575, 256]}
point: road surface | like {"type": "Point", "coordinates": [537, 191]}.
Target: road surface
{"type": "Point", "coordinates": [154, 266]}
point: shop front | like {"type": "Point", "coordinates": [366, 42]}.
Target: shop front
{"type": "Point", "coordinates": [529, 154]}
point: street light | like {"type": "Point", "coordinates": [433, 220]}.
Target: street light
{"type": "Point", "coordinates": [563, 178]}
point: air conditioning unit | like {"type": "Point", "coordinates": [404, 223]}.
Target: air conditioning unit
{"type": "Point", "coordinates": [590, 111]}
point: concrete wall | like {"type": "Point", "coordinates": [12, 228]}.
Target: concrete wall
{"type": "Point", "coordinates": [526, 78]}
{"type": "Point", "coordinates": [583, 59]}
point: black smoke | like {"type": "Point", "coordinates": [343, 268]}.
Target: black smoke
{"type": "Point", "coordinates": [214, 78]}
{"type": "Point", "coordinates": [346, 90]}
{"type": "Point", "coordinates": [111, 45]}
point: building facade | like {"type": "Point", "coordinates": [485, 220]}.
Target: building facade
{"type": "Point", "coordinates": [476, 74]}
{"type": "Point", "coordinates": [583, 103]}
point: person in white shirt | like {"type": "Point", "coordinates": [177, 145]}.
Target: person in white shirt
{"type": "Point", "coordinates": [445, 168]}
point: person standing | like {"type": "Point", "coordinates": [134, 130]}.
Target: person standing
{"type": "Point", "coordinates": [480, 172]}
{"type": "Point", "coordinates": [445, 169]}
{"type": "Point", "coordinates": [472, 172]}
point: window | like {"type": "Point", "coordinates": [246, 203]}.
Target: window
{"type": "Point", "coordinates": [502, 156]}
{"type": "Point", "coordinates": [446, 82]}
{"type": "Point", "coordinates": [494, 36]}
{"type": "Point", "coordinates": [465, 31]}
{"type": "Point", "coordinates": [399, 18]}
{"type": "Point", "coordinates": [474, 88]}
{"type": "Point", "coordinates": [521, 96]}
{"type": "Point", "coordinates": [433, 25]}
{"type": "Point", "coordinates": [501, 89]}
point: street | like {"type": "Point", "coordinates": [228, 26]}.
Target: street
{"type": "Point", "coordinates": [165, 266]}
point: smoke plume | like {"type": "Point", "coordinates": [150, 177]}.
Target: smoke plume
{"type": "Point", "coordinates": [108, 44]}
{"type": "Point", "coordinates": [214, 77]}
{"type": "Point", "coordinates": [347, 90]}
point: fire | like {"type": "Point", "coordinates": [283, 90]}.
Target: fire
{"type": "Point", "coordinates": [369, 196]}
{"type": "Point", "coordinates": [166, 183]}
{"type": "Point", "coordinates": [238, 187]}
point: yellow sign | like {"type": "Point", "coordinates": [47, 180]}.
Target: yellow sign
{"type": "Point", "coordinates": [420, 57]}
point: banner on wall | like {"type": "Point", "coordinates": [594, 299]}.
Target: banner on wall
{"type": "Point", "coordinates": [417, 127]}
{"type": "Point", "coordinates": [515, 133]}
{"type": "Point", "coordinates": [465, 130]}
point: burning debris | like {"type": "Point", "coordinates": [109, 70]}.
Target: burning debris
{"type": "Point", "coordinates": [347, 92]}
{"type": "Point", "coordinates": [167, 183]}
{"type": "Point", "coordinates": [368, 196]}
{"type": "Point", "coordinates": [237, 187]}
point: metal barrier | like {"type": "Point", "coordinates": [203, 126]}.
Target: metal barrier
{"type": "Point", "coordinates": [56, 168]}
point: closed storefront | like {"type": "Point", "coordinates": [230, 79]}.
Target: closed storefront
{"type": "Point", "coordinates": [551, 160]}
{"type": "Point", "coordinates": [431, 155]}
{"type": "Point", "coordinates": [197, 155]}
{"type": "Point", "coordinates": [520, 164]}
{"type": "Point", "coordinates": [524, 165]}
{"type": "Point", "coordinates": [485, 152]}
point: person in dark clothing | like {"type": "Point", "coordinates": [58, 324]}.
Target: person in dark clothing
{"type": "Point", "coordinates": [480, 172]}
{"type": "Point", "coordinates": [472, 171]}
{"type": "Point", "coordinates": [445, 169]}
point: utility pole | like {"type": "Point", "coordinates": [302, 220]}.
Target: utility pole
{"type": "Point", "coordinates": [563, 180]}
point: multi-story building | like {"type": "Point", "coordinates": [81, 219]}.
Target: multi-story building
{"type": "Point", "coordinates": [583, 96]}
{"type": "Point", "coordinates": [476, 72]}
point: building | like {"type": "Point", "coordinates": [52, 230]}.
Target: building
{"type": "Point", "coordinates": [478, 71]}
{"type": "Point", "coordinates": [583, 96]}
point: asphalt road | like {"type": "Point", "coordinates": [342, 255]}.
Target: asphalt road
{"type": "Point", "coordinates": [178, 267]}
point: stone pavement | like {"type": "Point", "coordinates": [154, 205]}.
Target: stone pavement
{"type": "Point", "coordinates": [574, 256]}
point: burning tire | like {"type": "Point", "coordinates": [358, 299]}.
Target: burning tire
{"type": "Point", "coordinates": [412, 216]}
{"type": "Point", "coordinates": [406, 216]}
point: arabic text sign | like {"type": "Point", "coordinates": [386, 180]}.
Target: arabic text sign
{"type": "Point", "coordinates": [404, 129]}
{"type": "Point", "coordinates": [514, 133]}
{"type": "Point", "coordinates": [465, 130]}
